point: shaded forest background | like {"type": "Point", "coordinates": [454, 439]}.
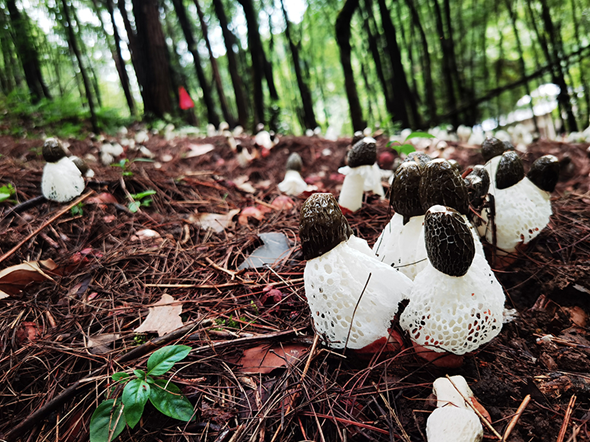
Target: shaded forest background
{"type": "Point", "coordinates": [294, 64]}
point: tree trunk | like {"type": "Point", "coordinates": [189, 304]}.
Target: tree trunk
{"type": "Point", "coordinates": [232, 63]}
{"type": "Point", "coordinates": [554, 57]}
{"type": "Point", "coordinates": [521, 60]}
{"type": "Point", "coordinates": [369, 26]}
{"type": "Point", "coordinates": [446, 66]}
{"type": "Point", "coordinates": [428, 85]}
{"type": "Point", "coordinates": [306, 100]}
{"type": "Point", "coordinates": [585, 85]}
{"type": "Point", "coordinates": [27, 53]}
{"type": "Point", "coordinates": [120, 63]}
{"type": "Point", "coordinates": [343, 39]}
{"type": "Point", "coordinates": [192, 47]}
{"type": "Point", "coordinates": [259, 62]}
{"type": "Point", "coordinates": [401, 89]}
{"type": "Point", "coordinates": [74, 45]}
{"type": "Point", "coordinates": [453, 57]}
{"type": "Point", "coordinates": [222, 100]}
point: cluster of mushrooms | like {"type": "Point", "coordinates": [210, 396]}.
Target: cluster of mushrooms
{"type": "Point", "coordinates": [429, 254]}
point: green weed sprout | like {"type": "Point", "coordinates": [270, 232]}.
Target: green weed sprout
{"type": "Point", "coordinates": [140, 200]}
{"type": "Point", "coordinates": [6, 192]}
{"type": "Point", "coordinates": [111, 416]}
{"type": "Point", "coordinates": [125, 165]}
{"type": "Point", "coordinates": [407, 148]}
{"type": "Point", "coordinates": [77, 210]}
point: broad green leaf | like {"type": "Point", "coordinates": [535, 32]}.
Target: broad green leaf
{"type": "Point", "coordinates": [404, 148]}
{"type": "Point", "coordinates": [163, 359]}
{"type": "Point", "coordinates": [138, 196]}
{"type": "Point", "coordinates": [135, 396]}
{"type": "Point", "coordinates": [170, 401]}
{"type": "Point", "coordinates": [134, 206]}
{"type": "Point", "coordinates": [139, 373]}
{"type": "Point", "coordinates": [107, 420]}
{"type": "Point", "coordinates": [119, 376]}
{"type": "Point", "coordinates": [419, 135]}
{"type": "Point", "coordinates": [4, 196]}
{"type": "Point", "coordinates": [143, 160]}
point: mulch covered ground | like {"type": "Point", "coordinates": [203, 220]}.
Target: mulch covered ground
{"type": "Point", "coordinates": [108, 274]}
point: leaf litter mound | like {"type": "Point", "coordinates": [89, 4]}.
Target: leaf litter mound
{"type": "Point", "coordinates": [255, 371]}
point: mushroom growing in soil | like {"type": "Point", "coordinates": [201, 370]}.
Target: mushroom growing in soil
{"type": "Point", "coordinates": [453, 420]}
{"type": "Point", "coordinates": [362, 174]}
{"type": "Point", "coordinates": [352, 296]}
{"type": "Point", "coordinates": [293, 184]}
{"type": "Point", "coordinates": [62, 181]}
{"type": "Point", "coordinates": [518, 206]}
{"type": "Point", "coordinates": [456, 304]}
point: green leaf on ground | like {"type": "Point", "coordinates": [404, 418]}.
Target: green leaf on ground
{"type": "Point", "coordinates": [163, 359]}
{"type": "Point", "coordinates": [135, 395]}
{"type": "Point", "coordinates": [169, 401]}
{"type": "Point", "coordinates": [107, 421]}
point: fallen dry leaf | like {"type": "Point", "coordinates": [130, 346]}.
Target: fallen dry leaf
{"type": "Point", "coordinates": [283, 202]}
{"type": "Point", "coordinates": [99, 344]}
{"type": "Point", "coordinates": [197, 150]}
{"type": "Point", "coordinates": [162, 318]}
{"type": "Point", "coordinates": [243, 184]}
{"type": "Point", "coordinates": [217, 222]}
{"type": "Point", "coordinates": [147, 235]}
{"type": "Point", "coordinates": [264, 358]}
{"type": "Point", "coordinates": [28, 331]}
{"type": "Point", "coordinates": [13, 279]}
{"type": "Point", "coordinates": [257, 212]}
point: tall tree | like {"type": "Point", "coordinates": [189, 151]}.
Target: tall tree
{"type": "Point", "coordinates": [152, 56]}
{"type": "Point", "coordinates": [343, 39]}
{"type": "Point", "coordinates": [119, 62]}
{"type": "Point", "coordinates": [401, 90]}
{"type": "Point", "coordinates": [232, 63]}
{"type": "Point", "coordinates": [582, 69]}
{"type": "Point", "coordinates": [192, 47]}
{"type": "Point", "coordinates": [260, 65]}
{"type": "Point", "coordinates": [306, 100]}
{"type": "Point", "coordinates": [27, 53]}
{"type": "Point", "coordinates": [73, 42]}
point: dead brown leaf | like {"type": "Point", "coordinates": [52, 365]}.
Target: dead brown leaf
{"type": "Point", "coordinates": [99, 344]}
{"type": "Point", "coordinates": [162, 318]}
{"type": "Point", "coordinates": [264, 358]}
{"type": "Point", "coordinates": [257, 212]}
{"type": "Point", "coordinates": [15, 278]}
{"type": "Point", "coordinates": [215, 221]}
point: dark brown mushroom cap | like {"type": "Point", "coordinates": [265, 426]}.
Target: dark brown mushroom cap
{"type": "Point", "coordinates": [294, 162]}
{"type": "Point", "coordinates": [53, 150]}
{"type": "Point", "coordinates": [544, 172]}
{"type": "Point", "coordinates": [510, 170]}
{"type": "Point", "coordinates": [449, 243]}
{"type": "Point", "coordinates": [441, 184]}
{"type": "Point", "coordinates": [322, 226]}
{"type": "Point", "coordinates": [418, 157]}
{"type": "Point", "coordinates": [363, 153]}
{"type": "Point", "coordinates": [492, 147]}
{"type": "Point", "coordinates": [81, 165]}
{"type": "Point", "coordinates": [455, 165]}
{"type": "Point", "coordinates": [478, 185]}
{"type": "Point", "coordinates": [358, 136]}
{"type": "Point", "coordinates": [405, 195]}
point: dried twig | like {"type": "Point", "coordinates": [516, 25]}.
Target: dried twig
{"type": "Point", "coordinates": [516, 416]}
{"type": "Point", "coordinates": [566, 418]}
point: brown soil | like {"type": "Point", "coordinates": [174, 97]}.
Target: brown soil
{"type": "Point", "coordinates": [106, 280]}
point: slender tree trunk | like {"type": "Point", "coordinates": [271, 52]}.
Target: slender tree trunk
{"type": "Point", "coordinates": [369, 25]}
{"type": "Point", "coordinates": [428, 84]}
{"type": "Point", "coordinates": [401, 89]}
{"type": "Point", "coordinates": [499, 66]}
{"type": "Point", "coordinates": [152, 53]}
{"type": "Point", "coordinates": [232, 63]}
{"type": "Point", "coordinates": [553, 56]}
{"type": "Point", "coordinates": [192, 47]}
{"type": "Point", "coordinates": [453, 57]}
{"type": "Point", "coordinates": [306, 100]}
{"type": "Point", "coordinates": [222, 100]}
{"type": "Point", "coordinates": [27, 53]}
{"type": "Point", "coordinates": [120, 63]}
{"type": "Point", "coordinates": [260, 66]}
{"type": "Point", "coordinates": [582, 69]}
{"type": "Point", "coordinates": [446, 66]}
{"type": "Point", "coordinates": [521, 60]}
{"type": "Point", "coordinates": [74, 45]}
{"type": "Point", "coordinates": [343, 39]}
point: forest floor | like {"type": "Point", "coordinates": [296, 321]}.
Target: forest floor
{"type": "Point", "coordinates": [254, 372]}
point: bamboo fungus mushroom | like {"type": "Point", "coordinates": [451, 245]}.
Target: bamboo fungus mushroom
{"type": "Point", "coordinates": [293, 184]}
{"type": "Point", "coordinates": [62, 181]}
{"type": "Point", "coordinates": [352, 296]}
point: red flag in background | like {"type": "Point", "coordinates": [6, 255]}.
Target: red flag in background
{"type": "Point", "coordinates": [186, 101]}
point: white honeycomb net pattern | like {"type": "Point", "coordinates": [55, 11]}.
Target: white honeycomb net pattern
{"type": "Point", "coordinates": [455, 314]}
{"type": "Point", "coordinates": [333, 284]}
